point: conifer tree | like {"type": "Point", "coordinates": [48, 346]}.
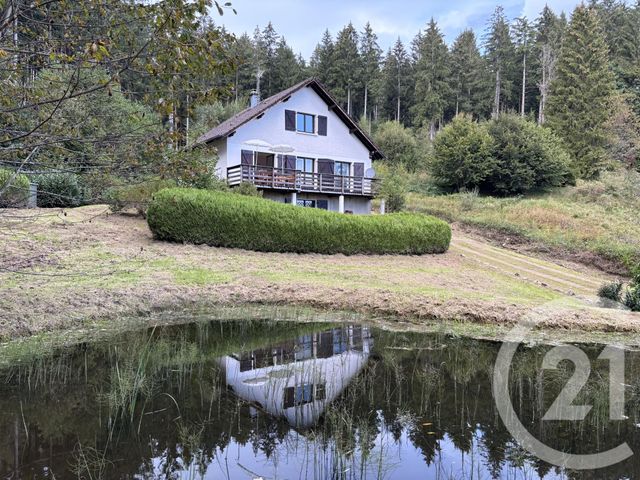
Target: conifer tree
{"type": "Point", "coordinates": [432, 76]}
{"type": "Point", "coordinates": [269, 44]}
{"type": "Point", "coordinates": [523, 34]}
{"type": "Point", "coordinates": [287, 69]}
{"type": "Point", "coordinates": [581, 95]}
{"type": "Point", "coordinates": [549, 30]}
{"type": "Point", "coordinates": [321, 63]}
{"type": "Point", "coordinates": [395, 85]}
{"type": "Point", "coordinates": [371, 55]}
{"type": "Point", "coordinates": [467, 75]}
{"type": "Point", "coordinates": [500, 53]}
{"type": "Point", "coordinates": [244, 78]}
{"type": "Point", "coordinates": [347, 69]}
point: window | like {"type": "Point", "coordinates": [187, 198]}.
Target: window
{"type": "Point", "coordinates": [304, 164]}
{"type": "Point", "coordinates": [306, 203]}
{"type": "Point", "coordinates": [304, 394]}
{"type": "Point", "coordinates": [342, 168]}
{"type": "Point", "coordinates": [305, 123]}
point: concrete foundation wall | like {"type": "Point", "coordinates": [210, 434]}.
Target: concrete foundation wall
{"type": "Point", "coordinates": [355, 205]}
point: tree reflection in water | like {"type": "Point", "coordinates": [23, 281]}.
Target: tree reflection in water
{"type": "Point", "coordinates": [281, 400]}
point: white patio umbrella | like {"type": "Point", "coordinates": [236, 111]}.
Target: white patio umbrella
{"type": "Point", "coordinates": [258, 143]}
{"type": "Point", "coordinates": [282, 148]}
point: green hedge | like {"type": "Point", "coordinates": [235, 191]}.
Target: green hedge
{"type": "Point", "coordinates": [224, 219]}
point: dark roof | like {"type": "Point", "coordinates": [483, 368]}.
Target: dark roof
{"type": "Point", "coordinates": [229, 126]}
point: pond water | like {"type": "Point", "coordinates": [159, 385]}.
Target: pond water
{"type": "Point", "coordinates": [281, 400]}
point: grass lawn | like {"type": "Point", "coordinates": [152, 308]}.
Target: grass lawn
{"type": "Point", "coordinates": [596, 222]}
{"type": "Point", "coordinates": [62, 269]}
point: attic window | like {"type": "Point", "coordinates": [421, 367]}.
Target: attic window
{"type": "Point", "coordinates": [305, 123]}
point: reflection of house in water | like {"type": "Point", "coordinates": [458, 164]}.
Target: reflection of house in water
{"type": "Point", "coordinates": [298, 378]}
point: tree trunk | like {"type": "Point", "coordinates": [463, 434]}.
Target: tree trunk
{"type": "Point", "coordinates": [548, 69]}
{"type": "Point", "coordinates": [524, 83]}
{"type": "Point", "coordinates": [349, 100]}
{"type": "Point", "coordinates": [366, 98]}
{"type": "Point", "coordinates": [496, 99]}
{"type": "Point", "coordinates": [432, 130]}
{"type": "Point", "coordinates": [398, 115]}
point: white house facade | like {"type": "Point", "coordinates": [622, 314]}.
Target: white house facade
{"type": "Point", "coordinates": [299, 147]}
{"type": "Point", "coordinates": [297, 379]}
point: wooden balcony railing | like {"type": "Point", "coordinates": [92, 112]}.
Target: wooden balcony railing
{"type": "Point", "coordinates": [296, 180]}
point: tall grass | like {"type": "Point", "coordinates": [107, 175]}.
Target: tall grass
{"type": "Point", "coordinates": [593, 220]}
{"type": "Point", "coordinates": [227, 220]}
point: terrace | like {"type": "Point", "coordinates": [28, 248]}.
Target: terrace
{"type": "Point", "coordinates": [292, 180]}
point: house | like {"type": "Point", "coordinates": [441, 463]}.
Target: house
{"type": "Point", "coordinates": [298, 146]}
{"type": "Point", "coordinates": [297, 379]}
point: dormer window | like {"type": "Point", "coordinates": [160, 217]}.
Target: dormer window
{"type": "Point", "coordinates": [305, 123]}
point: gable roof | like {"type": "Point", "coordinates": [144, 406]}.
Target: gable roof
{"type": "Point", "coordinates": [229, 126]}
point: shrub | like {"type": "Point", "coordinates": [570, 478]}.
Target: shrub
{"type": "Point", "coordinates": [462, 155]}
{"type": "Point", "coordinates": [247, 189]}
{"type": "Point", "coordinates": [611, 291]}
{"type": "Point", "coordinates": [632, 296]}
{"type": "Point", "coordinates": [528, 157]}
{"type": "Point", "coordinates": [393, 186]}
{"type": "Point", "coordinates": [506, 156]}
{"type": "Point", "coordinates": [14, 189]}
{"type": "Point", "coordinates": [227, 220]}
{"type": "Point", "coordinates": [399, 146]}
{"type": "Point", "coordinates": [137, 196]}
{"type": "Point", "coordinates": [59, 190]}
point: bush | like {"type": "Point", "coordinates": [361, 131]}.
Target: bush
{"type": "Point", "coordinates": [393, 186]}
{"type": "Point", "coordinates": [137, 196]}
{"type": "Point", "coordinates": [506, 156]}
{"type": "Point", "coordinates": [226, 220]}
{"type": "Point", "coordinates": [399, 146]}
{"type": "Point", "coordinates": [462, 155]}
{"type": "Point", "coordinates": [58, 190]}
{"type": "Point", "coordinates": [14, 190]}
{"type": "Point", "coordinates": [528, 157]}
{"type": "Point", "coordinates": [611, 291]}
{"type": "Point", "coordinates": [247, 189]}
{"type": "Point", "coordinates": [632, 297]}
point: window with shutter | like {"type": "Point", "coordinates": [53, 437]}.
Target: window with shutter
{"type": "Point", "coordinates": [322, 125]}
{"type": "Point", "coordinates": [246, 157]}
{"type": "Point", "coordinates": [290, 120]}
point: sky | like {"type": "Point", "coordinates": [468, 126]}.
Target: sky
{"type": "Point", "coordinates": [302, 22]}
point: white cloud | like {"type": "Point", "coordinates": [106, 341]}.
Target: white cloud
{"type": "Point", "coordinates": [532, 8]}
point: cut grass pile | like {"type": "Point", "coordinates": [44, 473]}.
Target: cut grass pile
{"type": "Point", "coordinates": [224, 219]}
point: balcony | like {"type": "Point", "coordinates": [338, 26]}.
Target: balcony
{"type": "Point", "coordinates": [298, 181]}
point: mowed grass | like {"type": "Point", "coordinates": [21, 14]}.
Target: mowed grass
{"type": "Point", "coordinates": [600, 217]}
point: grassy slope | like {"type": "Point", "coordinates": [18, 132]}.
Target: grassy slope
{"type": "Point", "coordinates": [61, 269]}
{"type": "Point", "coordinates": [599, 218]}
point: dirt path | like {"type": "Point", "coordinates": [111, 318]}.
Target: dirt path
{"type": "Point", "coordinates": [62, 268]}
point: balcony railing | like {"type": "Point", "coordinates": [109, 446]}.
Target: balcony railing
{"type": "Point", "coordinates": [296, 180]}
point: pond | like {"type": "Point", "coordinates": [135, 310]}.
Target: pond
{"type": "Point", "coordinates": [281, 400]}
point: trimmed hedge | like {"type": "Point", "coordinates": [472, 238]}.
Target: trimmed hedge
{"type": "Point", "coordinates": [224, 219]}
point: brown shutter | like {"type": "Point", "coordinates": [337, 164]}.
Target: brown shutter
{"type": "Point", "coordinates": [322, 125]}
{"type": "Point", "coordinates": [358, 169]}
{"type": "Point", "coordinates": [247, 157]}
{"type": "Point", "coordinates": [290, 162]}
{"type": "Point", "coordinates": [325, 165]}
{"type": "Point", "coordinates": [290, 120]}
